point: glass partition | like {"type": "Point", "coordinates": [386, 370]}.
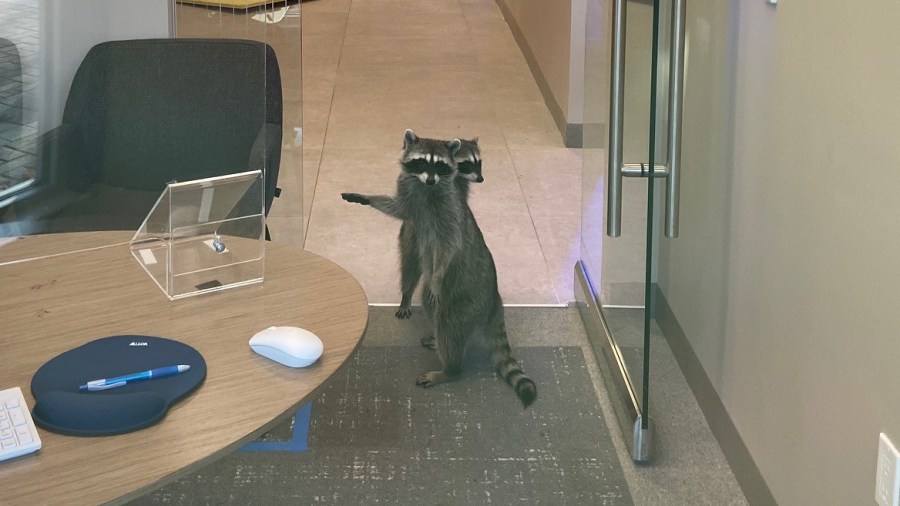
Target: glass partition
{"type": "Point", "coordinates": [20, 107]}
{"type": "Point", "coordinates": [278, 25]}
{"type": "Point", "coordinates": [626, 123]}
{"type": "Point", "coordinates": [105, 102]}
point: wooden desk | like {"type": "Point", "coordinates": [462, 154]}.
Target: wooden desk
{"type": "Point", "coordinates": [52, 304]}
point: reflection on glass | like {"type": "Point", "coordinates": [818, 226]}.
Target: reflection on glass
{"type": "Point", "coordinates": [89, 145]}
{"type": "Point", "coordinates": [43, 157]}
{"type": "Point", "coordinates": [278, 25]}
{"type": "Point", "coordinates": [594, 155]}
{"type": "Point", "coordinates": [19, 75]}
{"type": "Point", "coordinates": [616, 265]}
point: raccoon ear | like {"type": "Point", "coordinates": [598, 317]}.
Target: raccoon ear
{"type": "Point", "coordinates": [454, 146]}
{"type": "Point", "coordinates": [409, 137]}
{"type": "Point", "coordinates": [475, 140]}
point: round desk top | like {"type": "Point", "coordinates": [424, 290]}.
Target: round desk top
{"type": "Point", "coordinates": [50, 304]}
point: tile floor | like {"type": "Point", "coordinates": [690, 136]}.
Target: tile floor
{"type": "Point", "coordinates": [444, 68]}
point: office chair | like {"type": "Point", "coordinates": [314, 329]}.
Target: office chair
{"type": "Point", "coordinates": [143, 113]}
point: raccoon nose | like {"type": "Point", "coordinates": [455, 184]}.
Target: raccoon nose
{"type": "Point", "coordinates": [430, 180]}
{"type": "Point", "coordinates": [480, 179]}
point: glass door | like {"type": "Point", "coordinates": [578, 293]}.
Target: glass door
{"type": "Point", "coordinates": [629, 195]}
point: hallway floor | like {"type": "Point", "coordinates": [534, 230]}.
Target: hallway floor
{"type": "Point", "coordinates": [445, 68]}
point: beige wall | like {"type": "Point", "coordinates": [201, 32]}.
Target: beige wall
{"type": "Point", "coordinates": [784, 278]}
{"type": "Point", "coordinates": [554, 34]}
{"type": "Point", "coordinates": [575, 109]}
{"type": "Point", "coordinates": [545, 26]}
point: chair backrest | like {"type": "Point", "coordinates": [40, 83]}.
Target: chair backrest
{"type": "Point", "coordinates": [152, 111]}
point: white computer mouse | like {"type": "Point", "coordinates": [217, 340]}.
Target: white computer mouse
{"type": "Point", "coordinates": [291, 346]}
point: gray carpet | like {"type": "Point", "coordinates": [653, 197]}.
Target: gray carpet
{"type": "Point", "coordinates": [376, 438]}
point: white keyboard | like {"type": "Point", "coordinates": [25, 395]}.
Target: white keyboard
{"type": "Point", "coordinates": [18, 435]}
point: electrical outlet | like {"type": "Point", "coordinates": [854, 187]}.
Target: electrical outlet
{"type": "Point", "coordinates": [887, 474]}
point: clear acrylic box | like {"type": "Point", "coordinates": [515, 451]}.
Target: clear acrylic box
{"type": "Point", "coordinates": [204, 235]}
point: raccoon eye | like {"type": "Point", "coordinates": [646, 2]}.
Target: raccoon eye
{"type": "Point", "coordinates": [416, 166]}
{"type": "Point", "coordinates": [442, 169]}
{"type": "Point", "coordinates": [469, 167]}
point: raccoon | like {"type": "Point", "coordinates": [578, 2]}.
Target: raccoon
{"type": "Point", "coordinates": [460, 292]}
{"type": "Point", "coordinates": [468, 160]}
{"type": "Point", "coordinates": [426, 189]}
{"type": "Point", "coordinates": [468, 163]}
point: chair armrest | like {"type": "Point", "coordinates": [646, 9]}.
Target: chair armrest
{"type": "Point", "coordinates": [266, 156]}
{"type": "Point", "coordinates": [61, 160]}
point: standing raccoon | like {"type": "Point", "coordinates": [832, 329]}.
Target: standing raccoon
{"type": "Point", "coordinates": [460, 279]}
{"type": "Point", "coordinates": [468, 160]}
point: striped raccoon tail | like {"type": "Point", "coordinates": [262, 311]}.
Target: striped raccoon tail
{"type": "Point", "coordinates": [525, 389]}
{"type": "Point", "coordinates": [509, 369]}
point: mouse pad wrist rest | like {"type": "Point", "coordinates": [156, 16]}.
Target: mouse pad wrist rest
{"type": "Point", "coordinates": [60, 407]}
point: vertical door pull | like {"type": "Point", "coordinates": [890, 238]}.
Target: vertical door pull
{"type": "Point", "coordinates": [616, 115]}
{"type": "Point", "coordinates": [676, 100]}
{"type": "Point", "coordinates": [672, 170]}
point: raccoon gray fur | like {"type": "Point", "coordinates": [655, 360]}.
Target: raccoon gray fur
{"type": "Point", "coordinates": [459, 292]}
{"type": "Point", "coordinates": [432, 162]}
{"type": "Point", "coordinates": [468, 160]}
{"type": "Point", "coordinates": [468, 163]}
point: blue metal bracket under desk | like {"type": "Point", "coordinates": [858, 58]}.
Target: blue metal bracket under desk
{"type": "Point", "coordinates": [299, 436]}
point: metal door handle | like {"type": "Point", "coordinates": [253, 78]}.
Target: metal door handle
{"type": "Point", "coordinates": [672, 170]}
{"type": "Point", "coordinates": [676, 100]}
{"type": "Point", "coordinates": [616, 118]}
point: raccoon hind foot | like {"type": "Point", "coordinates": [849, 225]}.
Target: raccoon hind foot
{"type": "Point", "coordinates": [403, 313]}
{"type": "Point", "coordinates": [428, 342]}
{"type": "Point", "coordinates": [432, 378]}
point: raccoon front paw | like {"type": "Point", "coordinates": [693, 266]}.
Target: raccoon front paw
{"type": "Point", "coordinates": [428, 342]}
{"type": "Point", "coordinates": [356, 198]}
{"type": "Point", "coordinates": [431, 298]}
{"type": "Point", "coordinates": [403, 313]}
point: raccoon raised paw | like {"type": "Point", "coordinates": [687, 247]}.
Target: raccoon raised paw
{"type": "Point", "coordinates": [403, 313]}
{"type": "Point", "coordinates": [356, 198]}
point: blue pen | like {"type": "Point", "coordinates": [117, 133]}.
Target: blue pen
{"type": "Point", "coordinates": [118, 381]}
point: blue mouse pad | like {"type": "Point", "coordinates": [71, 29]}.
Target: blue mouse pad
{"type": "Point", "coordinates": [61, 407]}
